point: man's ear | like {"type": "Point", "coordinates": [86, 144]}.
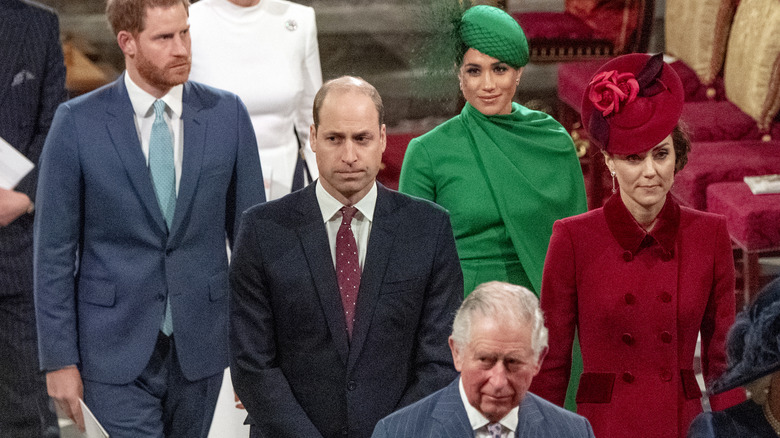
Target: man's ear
{"type": "Point", "coordinates": [313, 138]}
{"type": "Point", "coordinates": [126, 42]}
{"type": "Point", "coordinates": [456, 354]}
{"type": "Point", "coordinates": [542, 355]}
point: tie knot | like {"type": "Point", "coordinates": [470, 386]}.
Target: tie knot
{"type": "Point", "coordinates": [347, 213]}
{"type": "Point", "coordinates": [495, 430]}
{"type": "Point", "coordinates": [159, 108]}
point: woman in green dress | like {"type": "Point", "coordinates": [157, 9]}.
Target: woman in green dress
{"type": "Point", "coordinates": [504, 172]}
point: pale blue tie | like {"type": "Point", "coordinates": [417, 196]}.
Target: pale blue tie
{"type": "Point", "coordinates": [164, 179]}
{"type": "Point", "coordinates": [494, 430]}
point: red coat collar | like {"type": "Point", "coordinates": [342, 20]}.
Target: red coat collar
{"type": "Point", "coordinates": [632, 237]}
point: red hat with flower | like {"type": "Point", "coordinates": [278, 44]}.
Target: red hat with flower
{"type": "Point", "coordinates": [632, 103]}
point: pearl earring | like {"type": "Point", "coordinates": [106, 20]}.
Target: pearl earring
{"type": "Point", "coordinates": [613, 182]}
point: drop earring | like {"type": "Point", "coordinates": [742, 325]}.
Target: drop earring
{"type": "Point", "coordinates": [613, 182]}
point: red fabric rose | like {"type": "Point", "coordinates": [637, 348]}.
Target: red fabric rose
{"type": "Point", "coordinates": [610, 91]}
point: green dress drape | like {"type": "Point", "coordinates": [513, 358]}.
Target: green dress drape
{"type": "Point", "coordinates": [504, 180]}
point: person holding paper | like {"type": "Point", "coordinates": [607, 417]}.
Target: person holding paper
{"type": "Point", "coordinates": [141, 182]}
{"type": "Point", "coordinates": [32, 84]}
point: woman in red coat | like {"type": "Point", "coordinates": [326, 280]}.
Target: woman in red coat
{"type": "Point", "coordinates": [641, 277]}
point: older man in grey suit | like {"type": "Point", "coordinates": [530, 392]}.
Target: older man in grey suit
{"type": "Point", "coordinates": [498, 343]}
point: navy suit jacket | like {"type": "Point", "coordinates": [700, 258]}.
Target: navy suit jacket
{"type": "Point", "coordinates": [442, 415]}
{"type": "Point", "coordinates": [32, 84]}
{"type": "Point", "coordinates": [104, 259]}
{"type": "Point", "coordinates": [293, 365]}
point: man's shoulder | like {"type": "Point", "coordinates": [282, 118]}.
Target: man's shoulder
{"type": "Point", "coordinates": [553, 414]}
{"type": "Point", "coordinates": [35, 9]}
{"type": "Point", "coordinates": [208, 96]}
{"type": "Point", "coordinates": [424, 407]}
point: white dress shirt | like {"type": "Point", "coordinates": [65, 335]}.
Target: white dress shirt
{"type": "Point", "coordinates": [144, 118]}
{"type": "Point", "coordinates": [479, 423]}
{"type": "Point", "coordinates": [361, 223]}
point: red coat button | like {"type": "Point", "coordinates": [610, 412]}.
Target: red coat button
{"type": "Point", "coordinates": [630, 299]}
{"type": "Point", "coordinates": [628, 339]}
{"type": "Point", "coordinates": [666, 337]}
{"type": "Point", "coordinates": [666, 297]}
{"type": "Point", "coordinates": [666, 375]}
{"type": "Point", "coordinates": [628, 377]}
{"type": "Point", "coordinates": [627, 256]}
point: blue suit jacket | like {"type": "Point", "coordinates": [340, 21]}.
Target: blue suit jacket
{"type": "Point", "coordinates": [104, 259]}
{"type": "Point", "coordinates": [293, 365]}
{"type": "Point", "coordinates": [32, 84]}
{"type": "Point", "coordinates": [442, 415]}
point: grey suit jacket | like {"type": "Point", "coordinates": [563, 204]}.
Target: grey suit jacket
{"type": "Point", "coordinates": [32, 84]}
{"type": "Point", "coordinates": [442, 415]}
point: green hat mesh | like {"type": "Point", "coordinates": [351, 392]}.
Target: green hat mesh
{"type": "Point", "coordinates": [494, 33]}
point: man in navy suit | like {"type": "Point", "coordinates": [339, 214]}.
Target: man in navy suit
{"type": "Point", "coordinates": [140, 183]}
{"type": "Point", "coordinates": [32, 84]}
{"type": "Point", "coordinates": [498, 343]}
{"type": "Point", "coordinates": [342, 291]}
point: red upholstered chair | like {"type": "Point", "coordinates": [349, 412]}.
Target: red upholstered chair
{"type": "Point", "coordinates": [588, 29]}
{"type": "Point", "coordinates": [723, 161]}
{"type": "Point", "coordinates": [393, 157]}
{"type": "Point", "coordinates": [753, 225]}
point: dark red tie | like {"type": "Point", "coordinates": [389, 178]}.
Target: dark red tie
{"type": "Point", "coordinates": [347, 266]}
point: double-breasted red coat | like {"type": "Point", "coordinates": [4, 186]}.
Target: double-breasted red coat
{"type": "Point", "coordinates": [638, 301]}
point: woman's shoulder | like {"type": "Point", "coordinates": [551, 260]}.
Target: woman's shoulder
{"type": "Point", "coordinates": [700, 218]}
{"type": "Point", "coordinates": [448, 132]}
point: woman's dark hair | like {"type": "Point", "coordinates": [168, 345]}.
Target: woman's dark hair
{"type": "Point", "coordinates": [682, 145]}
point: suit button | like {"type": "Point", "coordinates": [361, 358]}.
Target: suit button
{"type": "Point", "coordinates": [628, 377]}
{"type": "Point", "coordinates": [666, 337]}
{"type": "Point", "coordinates": [345, 431]}
{"type": "Point", "coordinates": [666, 375]}
{"type": "Point", "coordinates": [351, 385]}
{"type": "Point", "coordinates": [627, 256]}
{"type": "Point", "coordinates": [169, 251]}
{"type": "Point", "coordinates": [627, 339]}
{"type": "Point", "coordinates": [666, 297]}
{"type": "Point", "coordinates": [630, 299]}
{"type": "Point", "coordinates": [160, 297]}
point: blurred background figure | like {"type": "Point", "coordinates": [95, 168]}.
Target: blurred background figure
{"type": "Point", "coordinates": [32, 84]}
{"type": "Point", "coordinates": [640, 277]}
{"type": "Point", "coordinates": [753, 349]}
{"type": "Point", "coordinates": [266, 52]}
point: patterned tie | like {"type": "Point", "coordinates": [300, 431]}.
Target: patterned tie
{"type": "Point", "coordinates": [494, 429]}
{"type": "Point", "coordinates": [347, 266]}
{"type": "Point", "coordinates": [164, 179]}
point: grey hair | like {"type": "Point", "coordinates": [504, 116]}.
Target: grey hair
{"type": "Point", "coordinates": [502, 301]}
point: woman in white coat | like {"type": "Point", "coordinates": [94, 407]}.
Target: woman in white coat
{"type": "Point", "coordinates": [266, 52]}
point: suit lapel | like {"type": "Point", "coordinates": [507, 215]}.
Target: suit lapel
{"type": "Point", "coordinates": [450, 413]}
{"type": "Point", "coordinates": [194, 140]}
{"type": "Point", "coordinates": [380, 244]}
{"type": "Point", "coordinates": [122, 130]}
{"type": "Point", "coordinates": [316, 248]}
{"type": "Point", "coordinates": [10, 29]}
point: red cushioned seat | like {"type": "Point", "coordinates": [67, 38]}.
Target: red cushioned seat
{"type": "Point", "coordinates": [753, 225]}
{"type": "Point", "coordinates": [753, 220]}
{"type": "Point", "coordinates": [723, 161]}
{"type": "Point", "coordinates": [393, 157]}
{"type": "Point", "coordinates": [715, 121]}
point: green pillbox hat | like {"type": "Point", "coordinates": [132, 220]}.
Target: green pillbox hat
{"type": "Point", "coordinates": [494, 33]}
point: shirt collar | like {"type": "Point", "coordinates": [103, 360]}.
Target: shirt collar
{"type": "Point", "coordinates": [142, 101]}
{"type": "Point", "coordinates": [630, 235]}
{"type": "Point", "coordinates": [478, 420]}
{"type": "Point", "coordinates": [329, 205]}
